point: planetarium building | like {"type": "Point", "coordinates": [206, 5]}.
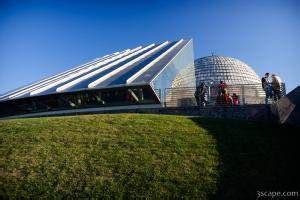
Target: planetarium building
{"type": "Point", "coordinates": [128, 79]}
{"type": "Point", "coordinates": [240, 77]}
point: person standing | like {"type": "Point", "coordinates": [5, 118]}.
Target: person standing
{"type": "Point", "coordinates": [276, 87]}
{"type": "Point", "coordinates": [222, 87]}
{"type": "Point", "coordinates": [265, 83]}
{"type": "Point", "coordinates": [235, 99]}
{"type": "Point", "coordinates": [203, 95]}
{"type": "Point", "coordinates": [197, 95]}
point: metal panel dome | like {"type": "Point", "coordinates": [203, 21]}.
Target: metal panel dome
{"type": "Point", "coordinates": [220, 68]}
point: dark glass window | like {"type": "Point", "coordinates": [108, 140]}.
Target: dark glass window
{"type": "Point", "coordinates": [124, 96]}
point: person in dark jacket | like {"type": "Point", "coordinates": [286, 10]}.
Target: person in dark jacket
{"type": "Point", "coordinates": [197, 95]}
{"type": "Point", "coordinates": [201, 95]}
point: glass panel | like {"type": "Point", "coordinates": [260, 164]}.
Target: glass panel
{"type": "Point", "coordinates": [180, 72]}
{"type": "Point", "coordinates": [154, 70]}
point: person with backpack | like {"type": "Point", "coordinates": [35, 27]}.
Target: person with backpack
{"type": "Point", "coordinates": [265, 83]}
{"type": "Point", "coordinates": [276, 87]}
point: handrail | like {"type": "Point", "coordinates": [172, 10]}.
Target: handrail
{"type": "Point", "coordinates": [246, 94]}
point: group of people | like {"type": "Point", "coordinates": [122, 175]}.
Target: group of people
{"type": "Point", "coordinates": [272, 88]}
{"type": "Point", "coordinates": [223, 97]}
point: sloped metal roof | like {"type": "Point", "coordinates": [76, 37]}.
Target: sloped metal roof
{"type": "Point", "coordinates": [129, 67]}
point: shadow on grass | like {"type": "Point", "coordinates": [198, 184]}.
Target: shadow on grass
{"type": "Point", "coordinates": [254, 157]}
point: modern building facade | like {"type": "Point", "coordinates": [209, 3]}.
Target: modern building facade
{"type": "Point", "coordinates": [133, 77]}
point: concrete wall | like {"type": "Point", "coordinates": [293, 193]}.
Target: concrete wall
{"type": "Point", "coordinates": [245, 112]}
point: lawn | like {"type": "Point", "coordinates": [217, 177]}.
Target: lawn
{"type": "Point", "coordinates": [145, 156]}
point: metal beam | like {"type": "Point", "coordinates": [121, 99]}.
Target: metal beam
{"type": "Point", "coordinates": [123, 67]}
{"type": "Point", "coordinates": [87, 76]}
{"type": "Point", "coordinates": [100, 64]}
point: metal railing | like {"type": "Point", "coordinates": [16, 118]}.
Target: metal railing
{"type": "Point", "coordinates": [246, 94]}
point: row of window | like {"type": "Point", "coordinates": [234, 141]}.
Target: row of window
{"type": "Point", "coordinates": [79, 100]}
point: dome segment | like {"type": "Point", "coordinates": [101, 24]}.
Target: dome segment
{"type": "Point", "coordinates": [220, 68]}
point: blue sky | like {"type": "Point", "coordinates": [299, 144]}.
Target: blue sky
{"type": "Point", "coordinates": [41, 38]}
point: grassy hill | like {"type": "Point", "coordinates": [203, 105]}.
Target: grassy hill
{"type": "Point", "coordinates": [137, 156]}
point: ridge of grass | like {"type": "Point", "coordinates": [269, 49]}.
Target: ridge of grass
{"type": "Point", "coordinates": [143, 156]}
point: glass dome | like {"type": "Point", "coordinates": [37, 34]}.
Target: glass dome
{"type": "Point", "coordinates": [220, 68]}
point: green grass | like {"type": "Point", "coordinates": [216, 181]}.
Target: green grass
{"type": "Point", "coordinates": [144, 156]}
